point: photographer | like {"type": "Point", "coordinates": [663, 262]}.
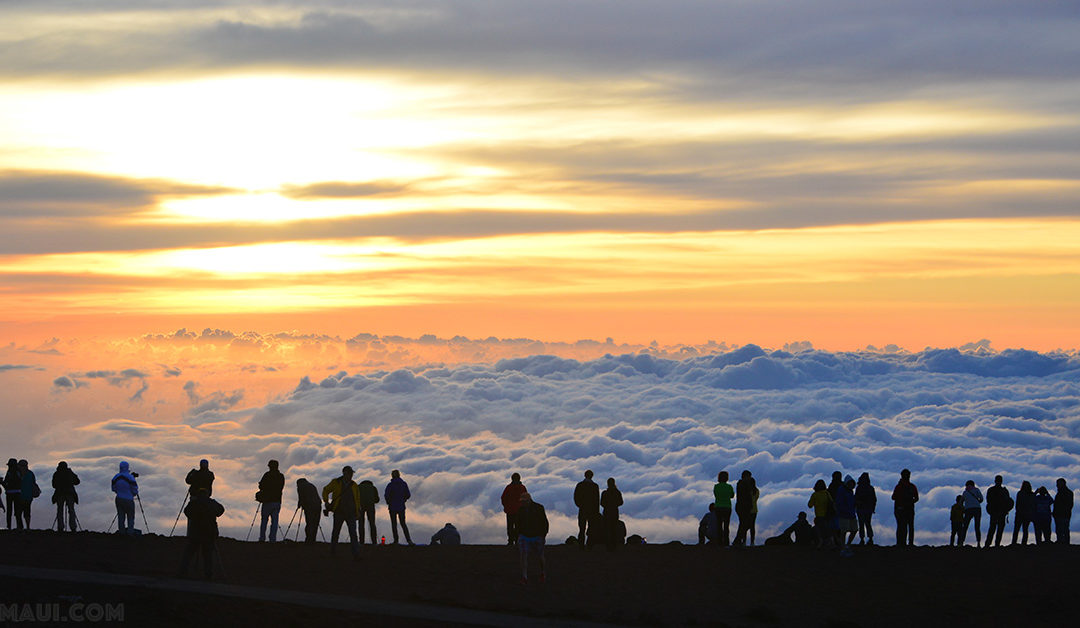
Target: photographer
{"type": "Point", "coordinates": [126, 488]}
{"type": "Point", "coordinates": [342, 497]}
{"type": "Point", "coordinates": [201, 478]}
{"type": "Point", "coordinates": [64, 481]}
{"type": "Point", "coordinates": [270, 487]}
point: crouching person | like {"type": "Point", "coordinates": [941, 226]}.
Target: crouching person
{"type": "Point", "coordinates": [532, 529]}
{"type": "Point", "coordinates": [202, 513]}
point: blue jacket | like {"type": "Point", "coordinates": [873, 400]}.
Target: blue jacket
{"type": "Point", "coordinates": [396, 494]}
{"type": "Point", "coordinates": [845, 503]}
{"type": "Point", "coordinates": [124, 484]}
{"type": "Point", "coordinates": [29, 481]}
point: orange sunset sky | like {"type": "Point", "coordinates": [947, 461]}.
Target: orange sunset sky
{"type": "Point", "coordinates": [764, 172]}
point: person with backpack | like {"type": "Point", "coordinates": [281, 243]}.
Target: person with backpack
{"type": "Point", "coordinates": [29, 490]}
{"type": "Point", "coordinates": [307, 498]}
{"type": "Point", "coordinates": [511, 501]}
{"type": "Point", "coordinates": [1043, 509]}
{"type": "Point", "coordinates": [64, 496]}
{"type": "Point", "coordinates": [342, 497]}
{"type": "Point", "coordinates": [199, 478]}
{"type": "Point", "coordinates": [532, 534]}
{"type": "Point", "coordinates": [973, 499]}
{"type": "Point", "coordinates": [271, 485]}
{"type": "Point", "coordinates": [824, 512]}
{"type": "Point", "coordinates": [1063, 505]}
{"type": "Point", "coordinates": [904, 496]}
{"type": "Point", "coordinates": [865, 505]}
{"type": "Point", "coordinates": [746, 496]}
{"type": "Point", "coordinates": [126, 488]}
{"type": "Point", "coordinates": [369, 496]}
{"type": "Point", "coordinates": [998, 505]}
{"type": "Point", "coordinates": [1025, 511]}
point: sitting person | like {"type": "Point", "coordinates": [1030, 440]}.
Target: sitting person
{"type": "Point", "coordinates": [709, 529]}
{"type": "Point", "coordinates": [803, 531]}
{"type": "Point", "coordinates": [447, 536]}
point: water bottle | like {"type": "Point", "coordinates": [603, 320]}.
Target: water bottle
{"type": "Point", "coordinates": [382, 541]}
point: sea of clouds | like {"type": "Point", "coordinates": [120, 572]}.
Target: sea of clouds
{"type": "Point", "coordinates": [661, 422]}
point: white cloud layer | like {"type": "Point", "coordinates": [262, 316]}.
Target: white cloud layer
{"type": "Point", "coordinates": [662, 426]}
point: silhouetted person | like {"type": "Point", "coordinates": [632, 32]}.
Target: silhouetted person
{"type": "Point", "coordinates": [722, 494]}
{"type": "Point", "coordinates": [998, 505]}
{"type": "Point", "coordinates": [126, 488]}
{"type": "Point", "coordinates": [973, 499]}
{"type": "Point", "coordinates": [511, 501]}
{"type": "Point", "coordinates": [956, 522]}
{"type": "Point", "coordinates": [64, 481]}
{"type": "Point", "coordinates": [801, 529]}
{"type": "Point", "coordinates": [369, 496]}
{"type": "Point", "coordinates": [532, 532]}
{"type": "Point", "coordinates": [836, 482]}
{"type": "Point", "coordinates": [449, 535]}
{"type": "Point", "coordinates": [1063, 505]}
{"type": "Point", "coordinates": [202, 477]}
{"type": "Point", "coordinates": [587, 500]}
{"type": "Point", "coordinates": [824, 510]}
{"type": "Point", "coordinates": [865, 506]}
{"type": "Point", "coordinates": [709, 527]}
{"type": "Point", "coordinates": [30, 490]}
{"type": "Point", "coordinates": [1025, 511]}
{"type": "Point", "coordinates": [845, 511]}
{"type": "Point", "coordinates": [396, 494]}
{"type": "Point", "coordinates": [13, 486]}
{"type": "Point", "coordinates": [271, 486]}
{"type": "Point", "coordinates": [1043, 511]}
{"type": "Point", "coordinates": [746, 496]}
{"type": "Point", "coordinates": [342, 497]}
{"type": "Point", "coordinates": [904, 496]}
{"type": "Point", "coordinates": [610, 500]}
{"type": "Point", "coordinates": [202, 513]}
{"type": "Point", "coordinates": [307, 498]}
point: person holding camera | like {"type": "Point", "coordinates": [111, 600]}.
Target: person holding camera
{"type": "Point", "coordinates": [64, 481]}
{"type": "Point", "coordinates": [126, 488]}
{"type": "Point", "coordinates": [201, 478]}
{"type": "Point", "coordinates": [342, 497]}
{"type": "Point", "coordinates": [307, 497]}
{"type": "Point", "coordinates": [270, 487]}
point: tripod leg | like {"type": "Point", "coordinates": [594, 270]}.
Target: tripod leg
{"type": "Point", "coordinates": [111, 524]}
{"type": "Point", "coordinates": [253, 518]}
{"type": "Point", "coordinates": [182, 504]}
{"type": "Point", "coordinates": [291, 519]}
{"type": "Point", "coordinates": [145, 522]}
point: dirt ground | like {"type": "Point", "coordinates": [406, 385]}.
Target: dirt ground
{"type": "Point", "coordinates": [647, 585]}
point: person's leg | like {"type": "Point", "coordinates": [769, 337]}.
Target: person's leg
{"type": "Point", "coordinates": [393, 525]}
{"type": "Point", "coordinates": [18, 512]}
{"type": "Point", "coordinates": [1000, 529]}
{"type": "Point", "coordinates": [1024, 534]}
{"type": "Point", "coordinates": [723, 517]}
{"type": "Point", "coordinates": [901, 534]}
{"type": "Point", "coordinates": [129, 515]}
{"type": "Point", "coordinates": [543, 563]}
{"type": "Point", "coordinates": [350, 522]}
{"type": "Point", "coordinates": [10, 509]}
{"type": "Point", "coordinates": [523, 555]}
{"type": "Point", "coordinates": [60, 514]}
{"type": "Point", "coordinates": [189, 553]}
{"type": "Point", "coordinates": [978, 525]}
{"type": "Point", "coordinates": [582, 524]}
{"type": "Point", "coordinates": [207, 546]}
{"type": "Point", "coordinates": [405, 528]}
{"type": "Point", "coordinates": [262, 521]}
{"type": "Point", "coordinates": [1016, 529]}
{"type": "Point", "coordinates": [73, 521]}
{"type": "Point", "coordinates": [311, 529]}
{"type": "Point", "coordinates": [335, 531]}
{"type": "Point", "coordinates": [371, 525]}
{"type": "Point", "coordinates": [753, 527]}
{"type": "Point", "coordinates": [275, 512]}
{"type": "Point", "coordinates": [26, 511]}
{"type": "Point", "coordinates": [511, 538]}
{"type": "Point", "coordinates": [911, 528]}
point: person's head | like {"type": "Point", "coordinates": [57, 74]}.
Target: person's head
{"type": "Point", "coordinates": [395, 473]}
{"type": "Point", "coordinates": [525, 499]}
{"type": "Point", "coordinates": [611, 482]}
{"type": "Point", "coordinates": [746, 474]}
{"type": "Point", "coordinates": [864, 478]}
{"type": "Point", "coordinates": [998, 480]}
{"type": "Point", "coordinates": [836, 476]}
{"type": "Point", "coordinates": [124, 466]}
{"type": "Point", "coordinates": [712, 506]}
{"type": "Point", "coordinates": [516, 477]}
{"type": "Point", "coordinates": [346, 472]}
{"type": "Point", "coordinates": [819, 485]}
{"type": "Point", "coordinates": [60, 466]}
{"type": "Point", "coordinates": [969, 484]}
{"type": "Point", "coordinates": [849, 482]}
{"type": "Point", "coordinates": [273, 464]}
{"type": "Point", "coordinates": [204, 464]}
{"type": "Point", "coordinates": [1042, 491]}
{"type": "Point", "coordinates": [905, 474]}
{"type": "Point", "coordinates": [588, 474]}
{"type": "Point", "coordinates": [448, 525]}
{"type": "Point", "coordinates": [802, 516]}
{"type": "Point", "coordinates": [12, 463]}
{"type": "Point", "coordinates": [722, 476]}
{"type": "Point", "coordinates": [23, 464]}
{"type": "Point", "coordinates": [959, 499]}
{"type": "Point", "coordinates": [1061, 484]}
{"type": "Point", "coordinates": [300, 482]}
{"type": "Point", "coordinates": [1025, 486]}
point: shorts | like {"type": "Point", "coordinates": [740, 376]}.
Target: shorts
{"type": "Point", "coordinates": [531, 543]}
{"type": "Point", "coordinates": [848, 525]}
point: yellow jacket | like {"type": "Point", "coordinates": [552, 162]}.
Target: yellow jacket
{"type": "Point", "coordinates": [336, 489]}
{"type": "Point", "coordinates": [820, 502]}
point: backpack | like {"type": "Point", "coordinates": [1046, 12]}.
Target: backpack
{"type": "Point", "coordinates": [37, 491]}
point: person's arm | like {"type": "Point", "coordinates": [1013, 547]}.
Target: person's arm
{"type": "Point", "coordinates": [407, 493]}
{"type": "Point", "coordinates": [327, 492]}
{"type": "Point", "coordinates": [915, 493]}
{"type": "Point", "coordinates": [262, 482]}
{"type": "Point", "coordinates": [74, 479]}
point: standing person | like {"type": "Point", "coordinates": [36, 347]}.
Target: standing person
{"type": "Point", "coordinates": [904, 496]}
{"type": "Point", "coordinates": [29, 490]}
{"type": "Point", "coordinates": [126, 488]}
{"type": "Point", "coordinates": [531, 537]}
{"type": "Point", "coordinates": [722, 493]}
{"type": "Point", "coordinates": [1063, 505]}
{"type": "Point", "coordinates": [1042, 511]}
{"type": "Point", "coordinates": [824, 508]}
{"type": "Point", "coordinates": [396, 494]}
{"type": "Point", "coordinates": [270, 488]}
{"type": "Point", "coordinates": [342, 497]}
{"type": "Point", "coordinates": [13, 486]}
{"type": "Point", "coordinates": [202, 477]}
{"type": "Point", "coordinates": [511, 501]}
{"type": "Point", "coordinates": [307, 498]}
{"type": "Point", "coordinates": [587, 500]}
{"type": "Point", "coordinates": [973, 499]}
{"type": "Point", "coordinates": [369, 496]}
{"type": "Point", "coordinates": [202, 532]}
{"type": "Point", "coordinates": [956, 520]}
{"type": "Point", "coordinates": [1025, 511]}
{"type": "Point", "coordinates": [610, 500]}
{"type": "Point", "coordinates": [865, 505]}
{"type": "Point", "coordinates": [998, 505]}
{"type": "Point", "coordinates": [746, 496]}
{"type": "Point", "coordinates": [845, 511]}
{"type": "Point", "coordinates": [64, 481]}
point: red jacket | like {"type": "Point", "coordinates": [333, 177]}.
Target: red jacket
{"type": "Point", "coordinates": [511, 497]}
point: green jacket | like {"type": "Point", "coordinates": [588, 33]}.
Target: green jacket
{"type": "Point", "coordinates": [723, 493]}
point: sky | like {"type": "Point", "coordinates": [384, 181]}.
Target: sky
{"type": "Point", "coordinates": [226, 227]}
